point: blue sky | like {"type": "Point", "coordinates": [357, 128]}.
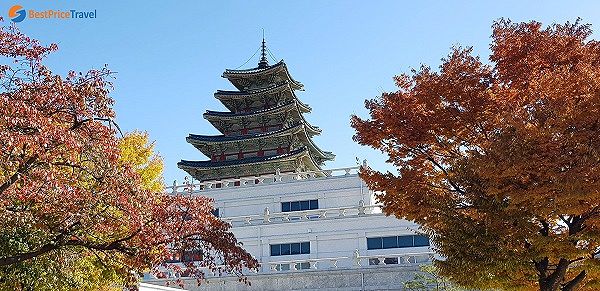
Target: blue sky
{"type": "Point", "coordinates": [169, 55]}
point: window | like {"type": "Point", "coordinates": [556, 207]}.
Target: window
{"type": "Point", "coordinates": [403, 241]}
{"type": "Point", "coordinates": [390, 242]}
{"type": "Point", "coordinates": [191, 255]}
{"type": "Point", "coordinates": [286, 249]}
{"type": "Point", "coordinates": [295, 248]}
{"type": "Point", "coordinates": [299, 205]}
{"type": "Point", "coordinates": [290, 249]}
{"type": "Point", "coordinates": [305, 248]}
{"type": "Point", "coordinates": [295, 206]}
{"type": "Point", "coordinates": [215, 212]}
{"type": "Point", "coordinates": [374, 243]}
{"type": "Point", "coordinates": [421, 241]}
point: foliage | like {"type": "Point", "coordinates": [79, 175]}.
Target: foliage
{"type": "Point", "coordinates": [139, 153]}
{"type": "Point", "coordinates": [69, 204]}
{"type": "Point", "coordinates": [430, 279]}
{"type": "Point", "coordinates": [499, 162]}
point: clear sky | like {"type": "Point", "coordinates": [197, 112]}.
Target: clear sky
{"type": "Point", "coordinates": [169, 55]}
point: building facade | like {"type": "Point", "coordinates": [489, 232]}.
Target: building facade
{"type": "Point", "coordinates": [308, 227]}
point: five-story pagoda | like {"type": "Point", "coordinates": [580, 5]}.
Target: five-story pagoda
{"type": "Point", "coordinates": [264, 131]}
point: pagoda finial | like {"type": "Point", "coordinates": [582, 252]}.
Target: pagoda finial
{"type": "Point", "coordinates": [264, 62]}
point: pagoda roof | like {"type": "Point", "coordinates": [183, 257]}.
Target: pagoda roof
{"type": "Point", "coordinates": [201, 141]}
{"type": "Point", "coordinates": [226, 95]}
{"type": "Point", "coordinates": [247, 161]}
{"type": "Point", "coordinates": [207, 139]}
{"type": "Point", "coordinates": [279, 67]}
{"type": "Point", "coordinates": [213, 116]}
{"type": "Point", "coordinates": [288, 162]}
{"type": "Point", "coordinates": [233, 115]}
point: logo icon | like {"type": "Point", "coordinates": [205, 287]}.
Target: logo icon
{"type": "Point", "coordinates": [17, 13]}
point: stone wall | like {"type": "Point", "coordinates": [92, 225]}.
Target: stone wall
{"type": "Point", "coordinates": [376, 278]}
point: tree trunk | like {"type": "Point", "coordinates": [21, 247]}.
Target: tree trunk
{"type": "Point", "coordinates": [554, 281]}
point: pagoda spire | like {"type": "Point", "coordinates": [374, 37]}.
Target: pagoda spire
{"type": "Point", "coordinates": [264, 62]}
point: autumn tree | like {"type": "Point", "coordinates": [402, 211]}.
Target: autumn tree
{"type": "Point", "coordinates": [71, 202]}
{"type": "Point", "coordinates": [67, 270]}
{"type": "Point", "coordinates": [499, 162]}
{"type": "Point", "coordinates": [137, 150]}
{"type": "Point", "coordinates": [428, 278]}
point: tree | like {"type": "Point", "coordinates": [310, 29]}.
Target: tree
{"type": "Point", "coordinates": [499, 162]}
{"type": "Point", "coordinates": [70, 204]}
{"type": "Point", "coordinates": [429, 279]}
{"type": "Point", "coordinates": [81, 271]}
{"type": "Point", "coordinates": [136, 150]}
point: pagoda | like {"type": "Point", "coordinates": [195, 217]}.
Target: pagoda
{"type": "Point", "coordinates": [264, 131]}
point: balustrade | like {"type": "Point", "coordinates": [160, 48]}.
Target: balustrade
{"type": "Point", "coordinates": [306, 215]}
{"type": "Point", "coordinates": [189, 186]}
{"type": "Point", "coordinates": [356, 261]}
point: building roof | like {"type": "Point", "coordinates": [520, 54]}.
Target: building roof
{"type": "Point", "coordinates": [215, 117]}
{"type": "Point", "coordinates": [225, 95]}
{"type": "Point", "coordinates": [288, 162]}
{"type": "Point", "coordinates": [201, 142]}
{"type": "Point", "coordinates": [233, 115]}
{"type": "Point", "coordinates": [278, 68]}
{"type": "Point", "coordinates": [247, 161]}
{"type": "Point", "coordinates": [206, 139]}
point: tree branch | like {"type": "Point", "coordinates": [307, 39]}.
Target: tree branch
{"type": "Point", "coordinates": [20, 171]}
{"type": "Point", "coordinates": [573, 283]}
{"type": "Point", "coordinates": [116, 245]}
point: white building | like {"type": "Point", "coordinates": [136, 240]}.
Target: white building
{"type": "Point", "coordinates": [309, 228]}
{"type": "Point", "coordinates": [311, 232]}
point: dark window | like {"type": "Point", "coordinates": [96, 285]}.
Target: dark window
{"type": "Point", "coordinates": [305, 248]}
{"type": "Point", "coordinates": [285, 249]}
{"type": "Point", "coordinates": [299, 205]}
{"type": "Point", "coordinates": [290, 249]}
{"type": "Point", "coordinates": [191, 255]}
{"type": "Point", "coordinates": [374, 243]}
{"type": "Point", "coordinates": [295, 206]}
{"type": "Point", "coordinates": [295, 248]}
{"type": "Point", "coordinates": [421, 241]}
{"type": "Point", "coordinates": [390, 242]}
{"type": "Point", "coordinates": [403, 241]}
{"type": "Point", "coordinates": [275, 250]}
{"type": "Point", "coordinates": [304, 205]}
{"type": "Point", "coordinates": [215, 212]}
